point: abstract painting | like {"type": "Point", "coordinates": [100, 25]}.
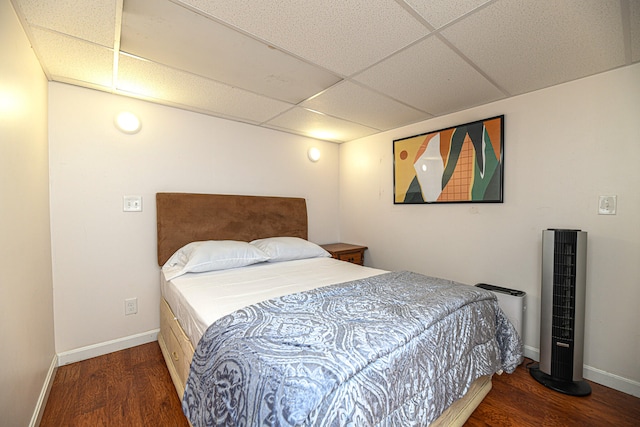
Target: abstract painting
{"type": "Point", "coordinates": [454, 165]}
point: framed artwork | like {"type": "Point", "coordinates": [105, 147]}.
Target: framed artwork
{"type": "Point", "coordinates": [460, 164]}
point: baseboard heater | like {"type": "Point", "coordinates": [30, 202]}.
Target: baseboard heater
{"type": "Point", "coordinates": [513, 304]}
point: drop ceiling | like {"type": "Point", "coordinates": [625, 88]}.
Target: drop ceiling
{"type": "Point", "coordinates": [335, 70]}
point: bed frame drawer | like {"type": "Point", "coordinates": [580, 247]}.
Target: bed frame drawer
{"type": "Point", "coordinates": [179, 350]}
{"type": "Point", "coordinates": [177, 356]}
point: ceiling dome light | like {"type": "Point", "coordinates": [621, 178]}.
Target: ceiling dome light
{"type": "Point", "coordinates": [313, 154]}
{"type": "Point", "coordinates": [128, 122]}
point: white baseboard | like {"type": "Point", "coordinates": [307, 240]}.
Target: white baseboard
{"type": "Point", "coordinates": [532, 353]}
{"type": "Point", "coordinates": [614, 381]}
{"type": "Point", "coordinates": [107, 347]}
{"type": "Point", "coordinates": [44, 393]}
{"type": "Point", "coordinates": [599, 376]}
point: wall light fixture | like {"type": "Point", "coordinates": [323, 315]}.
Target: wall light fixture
{"type": "Point", "coordinates": [313, 154]}
{"type": "Point", "coordinates": [128, 122]}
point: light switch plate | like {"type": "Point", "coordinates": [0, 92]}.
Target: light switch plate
{"type": "Point", "coordinates": [132, 203]}
{"type": "Point", "coordinates": [607, 205]}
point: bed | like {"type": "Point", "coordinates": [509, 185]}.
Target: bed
{"type": "Point", "coordinates": [194, 331]}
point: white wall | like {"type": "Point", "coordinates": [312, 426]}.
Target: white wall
{"type": "Point", "coordinates": [102, 255]}
{"type": "Point", "coordinates": [26, 297]}
{"type": "Point", "coordinates": [564, 146]}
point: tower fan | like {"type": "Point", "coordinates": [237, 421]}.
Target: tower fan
{"type": "Point", "coordinates": [564, 265]}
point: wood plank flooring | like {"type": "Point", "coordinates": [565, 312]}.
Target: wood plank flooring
{"type": "Point", "coordinates": [518, 400]}
{"type": "Point", "coordinates": [132, 388]}
{"type": "Point", "coordinates": [129, 388]}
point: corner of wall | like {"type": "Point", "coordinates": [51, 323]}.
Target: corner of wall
{"type": "Point", "coordinates": [41, 404]}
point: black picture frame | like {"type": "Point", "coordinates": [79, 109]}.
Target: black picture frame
{"type": "Point", "coordinates": [458, 164]}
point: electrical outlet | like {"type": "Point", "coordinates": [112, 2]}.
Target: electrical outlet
{"type": "Point", "coordinates": [130, 306]}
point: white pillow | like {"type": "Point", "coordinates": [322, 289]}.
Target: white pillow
{"type": "Point", "coordinates": [212, 255]}
{"type": "Point", "coordinates": [289, 248]}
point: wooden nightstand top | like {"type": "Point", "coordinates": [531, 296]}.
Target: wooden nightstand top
{"type": "Point", "coordinates": [343, 247]}
{"type": "Point", "coordinates": [346, 252]}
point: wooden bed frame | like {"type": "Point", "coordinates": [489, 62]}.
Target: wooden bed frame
{"type": "Point", "coordinates": [186, 217]}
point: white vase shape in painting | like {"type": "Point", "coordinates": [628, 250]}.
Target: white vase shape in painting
{"type": "Point", "coordinates": [429, 168]}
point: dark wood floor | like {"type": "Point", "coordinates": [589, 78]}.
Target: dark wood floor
{"type": "Point", "coordinates": [133, 388]}
{"type": "Point", "coordinates": [127, 388]}
{"type": "Point", "coordinates": [519, 400]}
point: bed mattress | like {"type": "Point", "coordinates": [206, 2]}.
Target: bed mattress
{"type": "Point", "coordinates": [199, 299]}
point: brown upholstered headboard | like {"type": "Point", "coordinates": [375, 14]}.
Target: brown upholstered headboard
{"type": "Point", "coordinates": [185, 217]}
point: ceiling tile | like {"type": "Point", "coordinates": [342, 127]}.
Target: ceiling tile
{"type": "Point", "coordinates": [634, 23]}
{"type": "Point", "coordinates": [71, 60]}
{"type": "Point", "coordinates": [170, 34]}
{"type": "Point", "coordinates": [441, 82]}
{"type": "Point", "coordinates": [276, 63]}
{"type": "Point", "coordinates": [320, 126]}
{"type": "Point", "coordinates": [525, 46]}
{"type": "Point", "coordinates": [93, 20]}
{"type": "Point", "coordinates": [355, 103]}
{"type": "Point", "coordinates": [342, 36]}
{"type": "Point", "coordinates": [441, 12]}
{"type": "Point", "coordinates": [162, 83]}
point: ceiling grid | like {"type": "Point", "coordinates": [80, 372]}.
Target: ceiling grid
{"type": "Point", "coordinates": [328, 69]}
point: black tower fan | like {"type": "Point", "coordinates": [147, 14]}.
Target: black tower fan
{"type": "Point", "coordinates": [564, 265]}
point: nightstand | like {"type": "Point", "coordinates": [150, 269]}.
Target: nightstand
{"type": "Point", "coordinates": [346, 252]}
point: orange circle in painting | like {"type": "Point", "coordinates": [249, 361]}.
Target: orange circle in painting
{"type": "Point", "coordinates": [403, 155]}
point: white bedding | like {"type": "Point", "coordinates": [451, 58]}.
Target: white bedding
{"type": "Point", "coordinates": [199, 299]}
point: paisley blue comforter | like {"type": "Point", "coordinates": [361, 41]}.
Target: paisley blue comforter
{"type": "Point", "coordinates": [391, 350]}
